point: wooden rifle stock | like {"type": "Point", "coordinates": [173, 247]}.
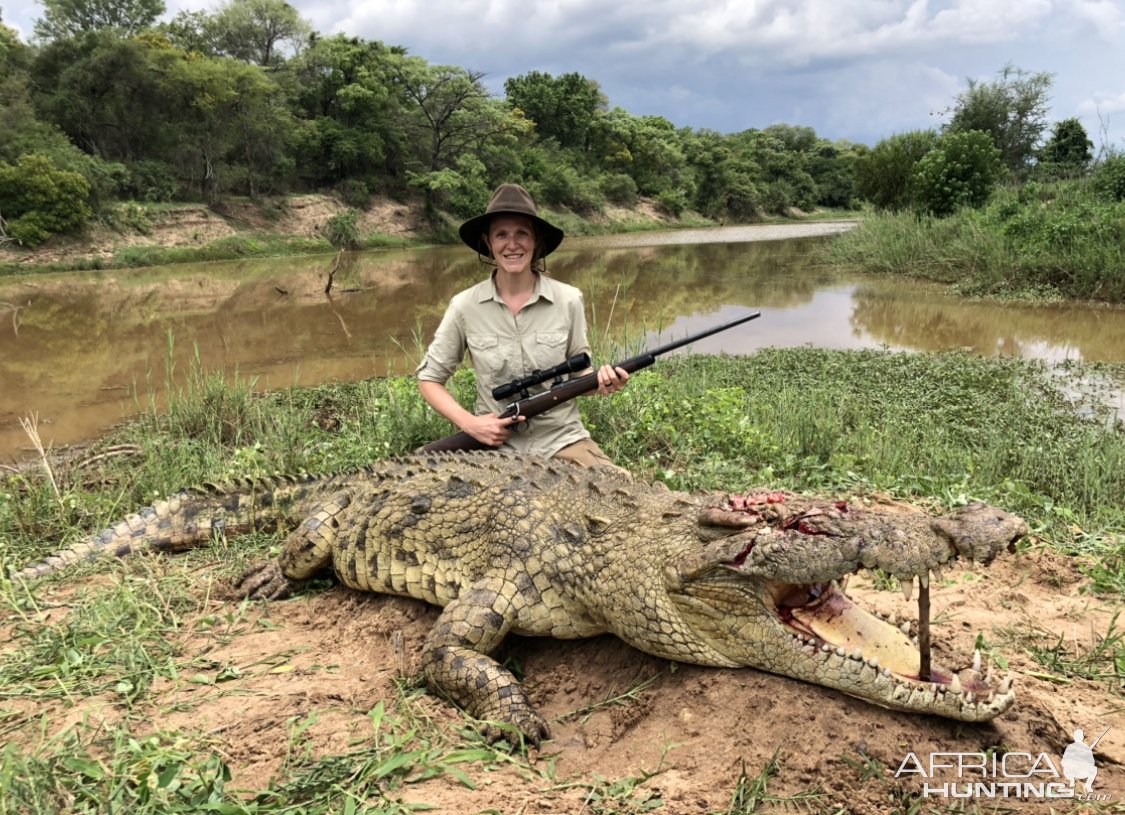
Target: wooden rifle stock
{"type": "Point", "coordinates": [571, 389]}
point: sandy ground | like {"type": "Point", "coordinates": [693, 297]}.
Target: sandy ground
{"type": "Point", "coordinates": [684, 739]}
{"type": "Point", "coordinates": [195, 225]}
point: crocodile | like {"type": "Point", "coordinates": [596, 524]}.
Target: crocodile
{"type": "Point", "coordinates": [508, 544]}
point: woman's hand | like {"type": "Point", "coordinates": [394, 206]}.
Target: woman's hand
{"type": "Point", "coordinates": [490, 429]}
{"type": "Point", "coordinates": [611, 380]}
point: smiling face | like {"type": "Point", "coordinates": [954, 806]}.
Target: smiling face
{"type": "Point", "coordinates": [512, 241]}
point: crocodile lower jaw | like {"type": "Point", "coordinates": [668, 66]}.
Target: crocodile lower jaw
{"type": "Point", "coordinates": [826, 624]}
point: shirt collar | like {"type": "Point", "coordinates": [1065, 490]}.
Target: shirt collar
{"type": "Point", "coordinates": [544, 288]}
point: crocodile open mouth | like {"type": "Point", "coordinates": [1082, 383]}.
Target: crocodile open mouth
{"type": "Point", "coordinates": [822, 614]}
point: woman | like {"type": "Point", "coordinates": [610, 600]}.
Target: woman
{"type": "Point", "coordinates": [515, 322]}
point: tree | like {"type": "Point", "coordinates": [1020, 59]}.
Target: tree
{"type": "Point", "coordinates": [961, 171]}
{"type": "Point", "coordinates": [648, 148]}
{"type": "Point", "coordinates": [882, 176]}
{"type": "Point", "coordinates": [67, 18]}
{"type": "Point", "coordinates": [781, 169]}
{"type": "Point", "coordinates": [453, 116]}
{"type": "Point", "coordinates": [347, 90]}
{"type": "Point", "coordinates": [1069, 151]}
{"type": "Point", "coordinates": [37, 199]}
{"type": "Point", "coordinates": [106, 92]}
{"type": "Point", "coordinates": [191, 31]}
{"type": "Point", "coordinates": [252, 30]}
{"type": "Point", "coordinates": [1012, 111]}
{"type": "Point", "coordinates": [562, 108]}
{"type": "Point", "coordinates": [232, 126]}
{"type": "Point", "coordinates": [726, 181]}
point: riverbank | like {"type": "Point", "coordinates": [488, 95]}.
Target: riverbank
{"type": "Point", "coordinates": [157, 235]}
{"type": "Point", "coordinates": [1037, 242]}
{"type": "Point", "coordinates": [153, 235]}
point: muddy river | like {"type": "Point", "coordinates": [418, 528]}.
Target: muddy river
{"type": "Point", "coordinates": [83, 351]}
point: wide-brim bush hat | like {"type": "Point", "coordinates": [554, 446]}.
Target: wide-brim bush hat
{"type": "Point", "coordinates": [511, 199]}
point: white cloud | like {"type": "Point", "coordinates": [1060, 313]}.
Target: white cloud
{"type": "Point", "coordinates": [858, 69]}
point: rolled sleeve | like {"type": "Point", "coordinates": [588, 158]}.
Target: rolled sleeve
{"type": "Point", "coordinates": [445, 352]}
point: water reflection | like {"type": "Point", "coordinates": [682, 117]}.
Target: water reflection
{"type": "Point", "coordinates": [76, 348]}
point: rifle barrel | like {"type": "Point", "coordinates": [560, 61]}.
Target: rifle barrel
{"type": "Point", "coordinates": [672, 346]}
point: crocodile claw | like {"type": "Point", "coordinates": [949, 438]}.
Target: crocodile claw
{"type": "Point", "coordinates": [522, 727]}
{"type": "Point", "coordinates": [264, 581]}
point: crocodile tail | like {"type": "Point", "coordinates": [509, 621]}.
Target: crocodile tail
{"type": "Point", "coordinates": [184, 521]}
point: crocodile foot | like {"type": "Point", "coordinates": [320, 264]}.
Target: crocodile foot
{"type": "Point", "coordinates": [265, 581]}
{"type": "Point", "coordinates": [521, 725]}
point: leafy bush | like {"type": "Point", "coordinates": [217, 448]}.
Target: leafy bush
{"type": "Point", "coordinates": [355, 193]}
{"type": "Point", "coordinates": [961, 171]}
{"type": "Point", "coordinates": [619, 188]}
{"type": "Point", "coordinates": [1109, 178]}
{"type": "Point", "coordinates": [152, 181]}
{"type": "Point", "coordinates": [342, 229]}
{"type": "Point", "coordinates": [562, 184]}
{"type": "Point", "coordinates": [882, 176]}
{"type": "Point", "coordinates": [672, 202]}
{"type": "Point", "coordinates": [37, 199]}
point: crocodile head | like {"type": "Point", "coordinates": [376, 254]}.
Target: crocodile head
{"type": "Point", "coordinates": [765, 590]}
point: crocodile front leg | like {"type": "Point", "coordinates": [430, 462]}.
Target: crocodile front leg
{"type": "Point", "coordinates": [456, 661]}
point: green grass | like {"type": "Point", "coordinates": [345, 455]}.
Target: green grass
{"type": "Point", "coordinates": [1033, 242]}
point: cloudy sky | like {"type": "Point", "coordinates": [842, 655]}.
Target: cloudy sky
{"type": "Point", "coordinates": [851, 69]}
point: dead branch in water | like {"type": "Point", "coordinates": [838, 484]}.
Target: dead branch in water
{"type": "Point", "coordinates": [332, 272]}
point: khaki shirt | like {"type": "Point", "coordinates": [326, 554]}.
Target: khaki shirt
{"type": "Point", "coordinates": [503, 346]}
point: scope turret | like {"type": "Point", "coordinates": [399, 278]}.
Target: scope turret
{"type": "Point", "coordinates": [578, 362]}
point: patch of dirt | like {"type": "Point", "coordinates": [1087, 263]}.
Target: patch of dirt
{"type": "Point", "coordinates": [198, 225]}
{"type": "Point", "coordinates": [691, 733]}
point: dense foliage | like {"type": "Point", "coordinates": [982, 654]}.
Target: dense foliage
{"type": "Point", "coordinates": [959, 172]}
{"type": "Point", "coordinates": [249, 100]}
{"type": "Point", "coordinates": [38, 199]}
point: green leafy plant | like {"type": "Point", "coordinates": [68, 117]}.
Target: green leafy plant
{"type": "Point", "coordinates": [38, 200]}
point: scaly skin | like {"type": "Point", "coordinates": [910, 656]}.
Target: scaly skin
{"type": "Point", "coordinates": [506, 544]}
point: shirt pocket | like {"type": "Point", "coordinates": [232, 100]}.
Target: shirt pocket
{"type": "Point", "coordinates": [487, 357]}
{"type": "Point", "coordinates": [549, 349]}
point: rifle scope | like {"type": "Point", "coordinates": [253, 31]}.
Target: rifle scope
{"type": "Point", "coordinates": [578, 362]}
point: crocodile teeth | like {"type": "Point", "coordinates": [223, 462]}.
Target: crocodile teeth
{"type": "Point", "coordinates": [907, 589]}
{"type": "Point", "coordinates": [1005, 686]}
{"type": "Point", "coordinates": [857, 654]}
{"type": "Point", "coordinates": [955, 684]}
{"type": "Point", "coordinates": [924, 581]}
{"type": "Point", "coordinates": [892, 619]}
{"type": "Point", "coordinates": [976, 660]}
{"type": "Point", "coordinates": [937, 574]}
{"type": "Point", "coordinates": [905, 628]}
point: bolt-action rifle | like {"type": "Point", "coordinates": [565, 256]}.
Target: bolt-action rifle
{"type": "Point", "coordinates": [562, 390]}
